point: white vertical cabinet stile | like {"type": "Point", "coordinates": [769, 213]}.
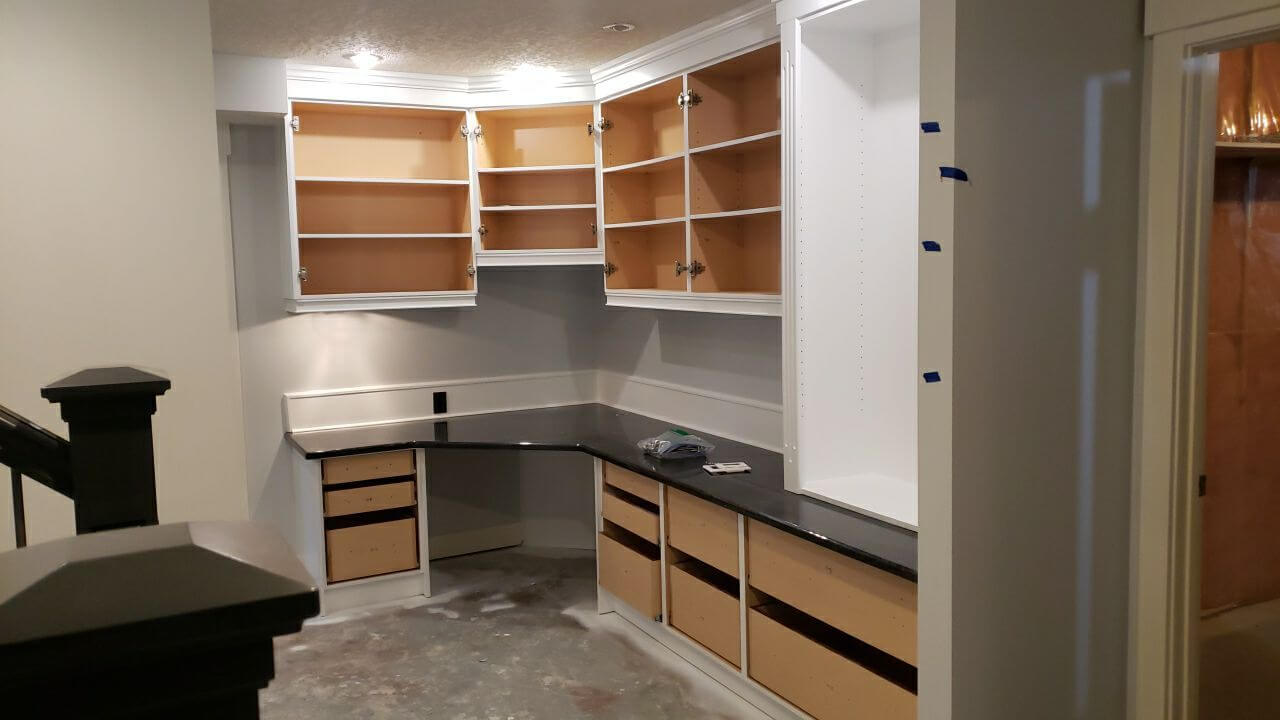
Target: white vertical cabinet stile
{"type": "Point", "coordinates": [293, 283]}
{"type": "Point", "coordinates": [473, 174]}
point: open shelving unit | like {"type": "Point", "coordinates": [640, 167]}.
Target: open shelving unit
{"type": "Point", "coordinates": [856, 427]}
{"type": "Point", "coordinates": [381, 207]}
{"type": "Point", "coordinates": [536, 186]}
{"type": "Point", "coordinates": [692, 190]}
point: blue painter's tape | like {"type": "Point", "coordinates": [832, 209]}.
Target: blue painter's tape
{"type": "Point", "coordinates": [931, 127]}
{"type": "Point", "coordinates": [933, 376]}
{"type": "Point", "coordinates": [954, 174]}
{"type": "Point", "coordinates": [931, 246]}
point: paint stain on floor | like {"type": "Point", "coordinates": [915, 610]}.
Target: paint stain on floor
{"type": "Point", "coordinates": [509, 635]}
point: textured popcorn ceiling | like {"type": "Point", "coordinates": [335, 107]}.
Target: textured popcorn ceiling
{"type": "Point", "coordinates": [452, 37]}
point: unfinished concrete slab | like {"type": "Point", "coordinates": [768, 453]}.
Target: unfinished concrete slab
{"type": "Point", "coordinates": [508, 635]}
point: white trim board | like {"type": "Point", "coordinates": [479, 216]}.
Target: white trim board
{"type": "Point", "coordinates": [737, 418]}
{"type": "Point", "coordinates": [380, 404]}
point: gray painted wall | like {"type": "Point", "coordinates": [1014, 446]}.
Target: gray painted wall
{"type": "Point", "coordinates": [1048, 114]}
{"type": "Point", "coordinates": [527, 320]}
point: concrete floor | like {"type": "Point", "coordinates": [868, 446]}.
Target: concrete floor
{"type": "Point", "coordinates": [508, 635]}
{"type": "Point", "coordinates": [1240, 664]}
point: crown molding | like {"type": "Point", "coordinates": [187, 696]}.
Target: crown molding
{"type": "Point", "coordinates": [683, 40]}
{"type": "Point", "coordinates": [378, 78]}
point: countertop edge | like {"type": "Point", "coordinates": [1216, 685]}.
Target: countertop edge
{"type": "Point", "coordinates": [847, 550]}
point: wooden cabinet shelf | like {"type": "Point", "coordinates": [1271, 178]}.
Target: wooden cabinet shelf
{"type": "Point", "coordinates": [643, 125]}
{"type": "Point", "coordinates": [548, 187]}
{"type": "Point", "coordinates": [647, 192]}
{"type": "Point", "coordinates": [740, 176]}
{"type": "Point", "coordinates": [740, 253]}
{"type": "Point", "coordinates": [338, 265]}
{"type": "Point", "coordinates": [380, 181]}
{"type": "Point", "coordinates": [535, 137]}
{"type": "Point", "coordinates": [362, 141]}
{"type": "Point", "coordinates": [355, 207]}
{"type": "Point", "coordinates": [645, 258]}
{"type": "Point", "coordinates": [533, 228]}
{"type": "Point", "coordinates": [736, 98]}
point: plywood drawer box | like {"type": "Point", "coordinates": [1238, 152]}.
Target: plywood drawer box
{"type": "Point", "coordinates": [639, 520]}
{"type": "Point", "coordinates": [353, 468]}
{"type": "Point", "coordinates": [876, 607]}
{"type": "Point", "coordinates": [633, 483]}
{"type": "Point", "coordinates": [705, 612]}
{"type": "Point", "coordinates": [630, 571]}
{"type": "Point", "coordinates": [370, 498]}
{"type": "Point", "coordinates": [376, 549]}
{"type": "Point", "coordinates": [703, 530]}
{"type": "Point", "coordinates": [816, 679]}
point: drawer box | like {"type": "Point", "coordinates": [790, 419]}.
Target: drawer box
{"type": "Point", "coordinates": [373, 466]}
{"type": "Point", "coordinates": [369, 499]}
{"type": "Point", "coordinates": [634, 483]}
{"type": "Point", "coordinates": [376, 549]}
{"type": "Point", "coordinates": [641, 521]}
{"type": "Point", "coordinates": [876, 607]}
{"type": "Point", "coordinates": [705, 612]}
{"type": "Point", "coordinates": [703, 530]}
{"type": "Point", "coordinates": [822, 682]}
{"type": "Point", "coordinates": [630, 571]}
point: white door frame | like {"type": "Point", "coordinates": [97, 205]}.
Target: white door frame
{"type": "Point", "coordinates": [1176, 202]}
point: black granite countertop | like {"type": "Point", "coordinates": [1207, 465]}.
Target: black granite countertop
{"type": "Point", "coordinates": [611, 435]}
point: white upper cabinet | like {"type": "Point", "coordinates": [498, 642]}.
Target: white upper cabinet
{"type": "Point", "coordinates": [867, 238]}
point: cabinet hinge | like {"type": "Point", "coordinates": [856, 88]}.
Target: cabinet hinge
{"type": "Point", "coordinates": [471, 271]}
{"type": "Point", "coordinates": [688, 99]}
{"type": "Point", "coordinates": [303, 275]}
{"type": "Point", "coordinates": [609, 269]}
{"type": "Point", "coordinates": [696, 268]}
{"type": "Point", "coordinates": [680, 268]}
{"type": "Point", "coordinates": [591, 129]}
{"type": "Point", "coordinates": [483, 230]}
{"type": "Point", "coordinates": [464, 131]}
{"type": "Point", "coordinates": [295, 123]}
{"type": "Point", "coordinates": [592, 226]}
{"type": "Point", "coordinates": [604, 124]}
{"type": "Point", "coordinates": [477, 131]}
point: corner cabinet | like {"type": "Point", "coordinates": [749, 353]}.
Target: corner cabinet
{"type": "Point", "coordinates": [381, 204]}
{"type": "Point", "coordinates": [868, 149]}
{"type": "Point", "coordinates": [690, 179]}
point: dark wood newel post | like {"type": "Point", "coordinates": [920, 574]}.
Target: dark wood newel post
{"type": "Point", "coordinates": [108, 412]}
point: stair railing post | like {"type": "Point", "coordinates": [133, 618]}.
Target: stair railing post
{"type": "Point", "coordinates": [108, 413]}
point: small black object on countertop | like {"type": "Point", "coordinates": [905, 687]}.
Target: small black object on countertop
{"type": "Point", "coordinates": [156, 621]}
{"type": "Point", "coordinates": [611, 435]}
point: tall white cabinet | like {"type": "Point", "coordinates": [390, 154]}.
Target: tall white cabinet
{"type": "Point", "coordinates": [867, 235]}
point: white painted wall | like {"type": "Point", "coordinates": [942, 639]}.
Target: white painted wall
{"type": "Point", "coordinates": [1047, 126]}
{"type": "Point", "coordinates": [112, 245]}
{"type": "Point", "coordinates": [245, 87]}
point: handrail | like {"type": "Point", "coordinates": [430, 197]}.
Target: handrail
{"type": "Point", "coordinates": [35, 452]}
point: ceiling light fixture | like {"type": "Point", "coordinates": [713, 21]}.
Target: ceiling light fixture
{"type": "Point", "coordinates": [363, 59]}
{"type": "Point", "coordinates": [618, 27]}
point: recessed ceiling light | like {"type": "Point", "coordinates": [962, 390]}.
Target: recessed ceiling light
{"type": "Point", "coordinates": [618, 27]}
{"type": "Point", "coordinates": [364, 59]}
